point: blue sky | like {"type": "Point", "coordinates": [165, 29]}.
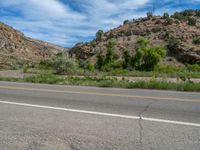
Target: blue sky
{"type": "Point", "coordinates": [66, 22]}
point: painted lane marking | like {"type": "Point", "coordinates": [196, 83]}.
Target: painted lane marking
{"type": "Point", "coordinates": [101, 94]}
{"type": "Point", "coordinates": [105, 114]}
{"type": "Point", "coordinates": [71, 110]}
{"type": "Point", "coordinates": [171, 122]}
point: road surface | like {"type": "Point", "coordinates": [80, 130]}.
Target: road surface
{"type": "Point", "coordinates": [55, 117]}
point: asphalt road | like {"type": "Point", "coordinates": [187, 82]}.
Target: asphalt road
{"type": "Point", "coordinates": [53, 117]}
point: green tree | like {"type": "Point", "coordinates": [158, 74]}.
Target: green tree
{"type": "Point", "coordinates": [126, 60]}
{"type": "Point", "coordinates": [100, 61]}
{"type": "Point", "coordinates": [152, 57]}
{"type": "Point", "coordinates": [99, 34]}
{"type": "Point", "coordinates": [110, 52]}
{"type": "Point", "coordinates": [147, 58]}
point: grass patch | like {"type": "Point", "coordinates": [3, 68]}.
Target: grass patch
{"type": "Point", "coordinates": [44, 78]}
{"type": "Point", "coordinates": [107, 82]}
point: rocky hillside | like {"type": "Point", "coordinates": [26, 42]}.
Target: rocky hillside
{"type": "Point", "coordinates": [179, 34]}
{"type": "Point", "coordinates": [17, 49]}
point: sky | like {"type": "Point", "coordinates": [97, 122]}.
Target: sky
{"type": "Point", "coordinates": [67, 22]}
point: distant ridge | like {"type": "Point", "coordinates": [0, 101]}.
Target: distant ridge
{"type": "Point", "coordinates": [17, 49]}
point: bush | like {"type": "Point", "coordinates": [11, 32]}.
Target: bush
{"type": "Point", "coordinates": [142, 42]}
{"type": "Point", "coordinates": [149, 15]}
{"type": "Point", "coordinates": [110, 52]}
{"type": "Point", "coordinates": [194, 67]}
{"type": "Point", "coordinates": [112, 66]}
{"type": "Point", "coordinates": [64, 64]}
{"type": "Point", "coordinates": [196, 40]}
{"type": "Point", "coordinates": [99, 34]}
{"type": "Point", "coordinates": [45, 64]}
{"type": "Point", "coordinates": [197, 13]}
{"type": "Point", "coordinates": [188, 12]}
{"type": "Point", "coordinates": [100, 61]}
{"type": "Point", "coordinates": [25, 68]}
{"type": "Point", "coordinates": [108, 59]}
{"type": "Point", "coordinates": [192, 21]}
{"type": "Point", "coordinates": [126, 22]}
{"type": "Point", "coordinates": [126, 60]}
{"type": "Point", "coordinates": [179, 16]}
{"type": "Point", "coordinates": [90, 66]}
{"type": "Point", "coordinates": [147, 58]}
{"type": "Point", "coordinates": [173, 43]}
{"type": "Point", "coordinates": [165, 15]}
{"type": "Point", "coordinates": [169, 21]}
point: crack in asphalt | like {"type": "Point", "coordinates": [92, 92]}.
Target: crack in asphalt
{"type": "Point", "coordinates": [140, 124]}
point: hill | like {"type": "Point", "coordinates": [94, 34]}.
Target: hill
{"type": "Point", "coordinates": [17, 49]}
{"type": "Point", "coordinates": [179, 34]}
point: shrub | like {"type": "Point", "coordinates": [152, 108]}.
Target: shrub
{"type": "Point", "coordinates": [188, 12]}
{"type": "Point", "coordinates": [197, 13]}
{"type": "Point", "coordinates": [142, 42]}
{"type": "Point", "coordinates": [192, 21]}
{"type": "Point", "coordinates": [165, 15]}
{"type": "Point", "coordinates": [173, 43]}
{"type": "Point", "coordinates": [107, 61]}
{"type": "Point", "coordinates": [112, 66]}
{"type": "Point", "coordinates": [110, 52]}
{"type": "Point", "coordinates": [25, 68]}
{"type": "Point", "coordinates": [169, 21]}
{"type": "Point", "coordinates": [149, 15]}
{"type": "Point", "coordinates": [196, 40]}
{"type": "Point", "coordinates": [126, 22]}
{"type": "Point", "coordinates": [99, 34]}
{"type": "Point", "coordinates": [45, 64]}
{"type": "Point", "coordinates": [126, 60]}
{"type": "Point", "coordinates": [147, 58]}
{"type": "Point", "coordinates": [179, 16]}
{"type": "Point", "coordinates": [86, 65]}
{"type": "Point", "coordinates": [193, 67]}
{"type": "Point", "coordinates": [90, 66]}
{"type": "Point", "coordinates": [100, 61]}
{"type": "Point", "coordinates": [64, 64]}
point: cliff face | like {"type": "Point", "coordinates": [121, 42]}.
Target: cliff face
{"type": "Point", "coordinates": [176, 35]}
{"type": "Point", "coordinates": [16, 49]}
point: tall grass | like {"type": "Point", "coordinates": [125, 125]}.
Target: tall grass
{"type": "Point", "coordinates": [108, 82]}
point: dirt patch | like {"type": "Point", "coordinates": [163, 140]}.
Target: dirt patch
{"type": "Point", "coordinates": [12, 73]}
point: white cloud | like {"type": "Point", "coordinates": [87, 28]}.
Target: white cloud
{"type": "Point", "coordinates": [56, 22]}
{"type": "Point", "coordinates": [42, 9]}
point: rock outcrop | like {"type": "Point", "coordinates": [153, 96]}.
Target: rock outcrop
{"type": "Point", "coordinates": [159, 30]}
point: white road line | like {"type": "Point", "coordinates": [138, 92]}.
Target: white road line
{"type": "Point", "coordinates": [71, 110]}
{"type": "Point", "coordinates": [105, 114]}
